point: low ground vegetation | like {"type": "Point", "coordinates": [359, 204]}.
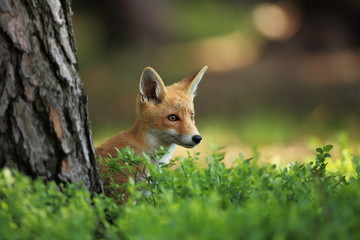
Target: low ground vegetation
{"type": "Point", "coordinates": [185, 200]}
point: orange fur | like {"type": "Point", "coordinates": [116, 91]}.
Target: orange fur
{"type": "Point", "coordinates": [155, 125]}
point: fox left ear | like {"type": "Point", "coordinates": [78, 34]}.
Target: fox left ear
{"type": "Point", "coordinates": [151, 86]}
{"type": "Point", "coordinates": [189, 84]}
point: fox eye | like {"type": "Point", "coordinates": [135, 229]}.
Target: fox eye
{"type": "Point", "coordinates": [192, 116]}
{"type": "Point", "coordinates": [173, 118]}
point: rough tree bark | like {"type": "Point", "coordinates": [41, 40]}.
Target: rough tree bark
{"type": "Point", "coordinates": [44, 124]}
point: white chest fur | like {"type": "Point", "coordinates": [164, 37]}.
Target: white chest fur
{"type": "Point", "coordinates": [156, 139]}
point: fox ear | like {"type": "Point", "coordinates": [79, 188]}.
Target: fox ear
{"type": "Point", "coordinates": [189, 84]}
{"type": "Point", "coordinates": [151, 86]}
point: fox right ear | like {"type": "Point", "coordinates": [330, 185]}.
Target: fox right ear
{"type": "Point", "coordinates": [151, 86]}
{"type": "Point", "coordinates": [190, 83]}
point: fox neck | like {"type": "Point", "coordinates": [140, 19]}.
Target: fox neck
{"type": "Point", "coordinates": [152, 141]}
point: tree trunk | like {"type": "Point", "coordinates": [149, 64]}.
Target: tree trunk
{"type": "Point", "coordinates": [44, 124]}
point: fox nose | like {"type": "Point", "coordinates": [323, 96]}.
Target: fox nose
{"type": "Point", "coordinates": [196, 139]}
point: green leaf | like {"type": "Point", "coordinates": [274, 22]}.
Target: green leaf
{"type": "Point", "coordinates": [327, 148]}
{"type": "Point", "coordinates": [319, 150]}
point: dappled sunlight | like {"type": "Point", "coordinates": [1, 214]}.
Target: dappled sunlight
{"type": "Point", "coordinates": [274, 153]}
{"type": "Point", "coordinates": [224, 53]}
{"type": "Point", "coordinates": [281, 154]}
{"type": "Point", "coordinates": [276, 21]}
{"type": "Point", "coordinates": [221, 53]}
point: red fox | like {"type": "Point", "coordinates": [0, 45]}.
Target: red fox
{"type": "Point", "coordinates": [165, 117]}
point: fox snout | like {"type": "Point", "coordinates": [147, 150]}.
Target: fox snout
{"type": "Point", "coordinates": [196, 139]}
{"type": "Point", "coordinates": [188, 141]}
{"type": "Point", "coordinates": [171, 136]}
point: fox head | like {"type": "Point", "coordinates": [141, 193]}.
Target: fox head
{"type": "Point", "coordinates": [166, 113]}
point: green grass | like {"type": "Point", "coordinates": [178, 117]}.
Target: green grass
{"type": "Point", "coordinates": [190, 201]}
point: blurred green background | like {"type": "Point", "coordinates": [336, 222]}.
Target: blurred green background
{"type": "Point", "coordinates": [283, 78]}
